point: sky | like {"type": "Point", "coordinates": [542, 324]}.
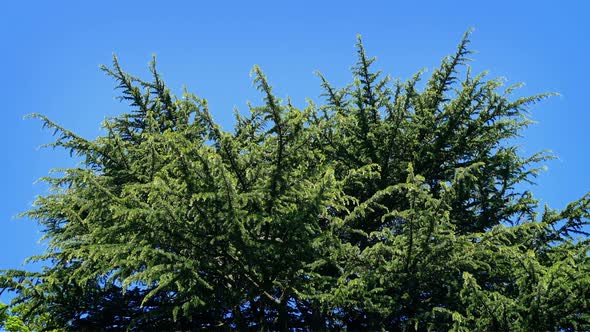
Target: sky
{"type": "Point", "coordinates": [51, 52]}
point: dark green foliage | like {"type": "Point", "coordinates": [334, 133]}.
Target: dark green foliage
{"type": "Point", "coordinates": [387, 208]}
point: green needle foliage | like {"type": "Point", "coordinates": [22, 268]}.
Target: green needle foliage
{"type": "Point", "coordinates": [393, 206]}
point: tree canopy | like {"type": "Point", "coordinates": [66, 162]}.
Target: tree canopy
{"type": "Point", "coordinates": [393, 205]}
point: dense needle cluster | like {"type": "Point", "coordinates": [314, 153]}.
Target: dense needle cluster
{"type": "Point", "coordinates": [392, 206]}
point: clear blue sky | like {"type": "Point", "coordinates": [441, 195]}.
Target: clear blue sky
{"type": "Point", "coordinates": [51, 51]}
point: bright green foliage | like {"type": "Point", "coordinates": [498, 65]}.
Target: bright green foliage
{"type": "Point", "coordinates": [390, 207]}
{"type": "Point", "coordinates": [9, 322]}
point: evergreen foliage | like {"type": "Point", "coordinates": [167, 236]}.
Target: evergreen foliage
{"type": "Point", "coordinates": [389, 207]}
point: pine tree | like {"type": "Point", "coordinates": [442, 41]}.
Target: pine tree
{"type": "Point", "coordinates": [389, 207]}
